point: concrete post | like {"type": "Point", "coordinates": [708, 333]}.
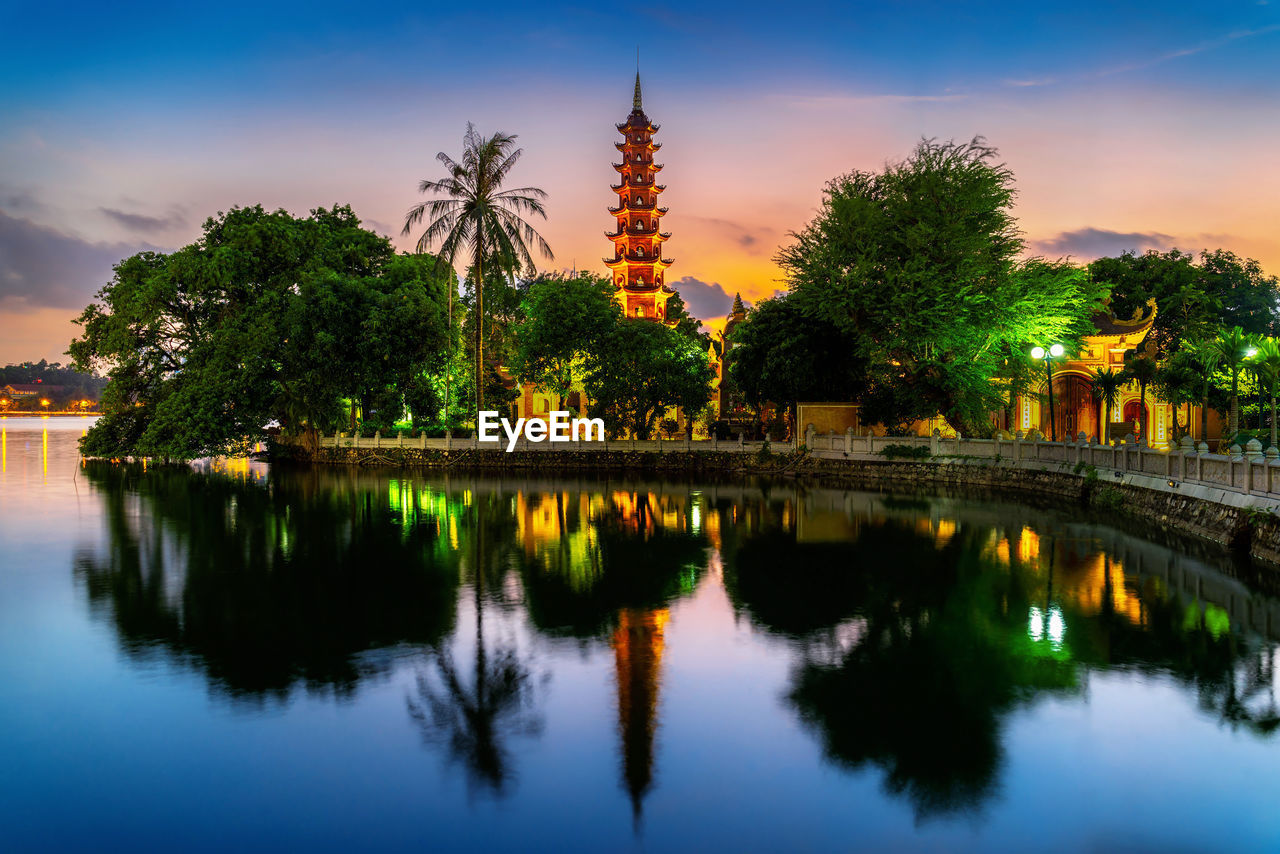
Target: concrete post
{"type": "Point", "coordinates": [848, 441]}
{"type": "Point", "coordinates": [422, 440]}
{"type": "Point", "coordinates": [809, 434]}
{"type": "Point", "coordinates": [377, 438]}
{"type": "Point", "coordinates": [935, 442]}
{"type": "Point", "coordinates": [741, 443]}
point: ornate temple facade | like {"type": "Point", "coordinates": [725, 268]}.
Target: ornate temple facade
{"type": "Point", "coordinates": [637, 265]}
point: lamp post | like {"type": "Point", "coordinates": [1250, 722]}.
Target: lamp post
{"type": "Point", "coordinates": [1047, 356]}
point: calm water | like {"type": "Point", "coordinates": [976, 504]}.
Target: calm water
{"type": "Point", "coordinates": [238, 659]}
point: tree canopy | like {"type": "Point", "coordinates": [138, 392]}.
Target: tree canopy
{"type": "Point", "coordinates": [918, 266]}
{"type": "Point", "coordinates": [567, 320]}
{"type": "Point", "coordinates": [1196, 297]}
{"type": "Point", "coordinates": [266, 317]}
{"type": "Point", "coordinates": [779, 355]}
{"type": "Point", "coordinates": [641, 369]}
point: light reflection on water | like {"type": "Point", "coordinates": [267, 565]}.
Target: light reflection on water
{"type": "Point", "coordinates": [233, 656]}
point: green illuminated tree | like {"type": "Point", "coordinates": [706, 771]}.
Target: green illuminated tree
{"type": "Point", "coordinates": [474, 213]}
{"type": "Point", "coordinates": [918, 265]}
{"type": "Point", "coordinates": [1267, 363]}
{"type": "Point", "coordinates": [1231, 348]}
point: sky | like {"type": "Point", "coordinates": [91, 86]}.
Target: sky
{"type": "Point", "coordinates": [123, 126]}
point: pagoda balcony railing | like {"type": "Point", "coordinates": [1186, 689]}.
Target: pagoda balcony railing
{"type": "Point", "coordinates": [650, 145]}
{"type": "Point", "coordinates": [638, 185]}
{"type": "Point", "coordinates": [631, 206]}
{"type": "Point", "coordinates": [632, 164]}
{"type": "Point", "coordinates": [638, 232]}
{"type": "Point", "coordinates": [631, 258]}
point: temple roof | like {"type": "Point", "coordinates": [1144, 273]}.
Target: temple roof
{"type": "Point", "coordinates": [1133, 330]}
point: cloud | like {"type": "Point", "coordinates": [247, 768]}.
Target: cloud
{"type": "Point", "coordinates": [755, 240]}
{"type": "Point", "coordinates": [19, 199]}
{"type": "Point", "coordinates": [144, 224]}
{"type": "Point", "coordinates": [1090, 243]}
{"type": "Point", "coordinates": [704, 301]}
{"type": "Point", "coordinates": [40, 267]}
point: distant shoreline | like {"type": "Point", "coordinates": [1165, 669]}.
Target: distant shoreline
{"type": "Point", "coordinates": [6, 415]}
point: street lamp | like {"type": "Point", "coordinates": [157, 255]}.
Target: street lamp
{"type": "Point", "coordinates": [1047, 356]}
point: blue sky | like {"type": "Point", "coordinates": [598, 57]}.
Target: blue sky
{"type": "Point", "coordinates": [1128, 125]}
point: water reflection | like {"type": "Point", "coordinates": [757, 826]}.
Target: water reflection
{"type": "Point", "coordinates": [265, 586]}
{"type": "Point", "coordinates": [915, 629]}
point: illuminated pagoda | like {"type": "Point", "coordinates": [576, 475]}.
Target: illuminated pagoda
{"type": "Point", "coordinates": [637, 265]}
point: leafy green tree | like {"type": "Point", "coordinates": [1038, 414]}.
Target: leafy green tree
{"type": "Point", "coordinates": [685, 323]}
{"type": "Point", "coordinates": [1195, 297]}
{"type": "Point", "coordinates": [475, 213]}
{"type": "Point", "coordinates": [1143, 372]}
{"type": "Point", "coordinates": [918, 266]}
{"type": "Point", "coordinates": [265, 318]}
{"type": "Point", "coordinates": [1232, 348]}
{"type": "Point", "coordinates": [1177, 381]}
{"type": "Point", "coordinates": [1267, 362]}
{"type": "Point", "coordinates": [642, 369]}
{"type": "Point", "coordinates": [568, 320]}
{"type": "Point", "coordinates": [1105, 386]}
{"type": "Point", "coordinates": [781, 356]}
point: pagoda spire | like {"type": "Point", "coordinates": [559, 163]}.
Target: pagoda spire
{"type": "Point", "coordinates": [637, 267]}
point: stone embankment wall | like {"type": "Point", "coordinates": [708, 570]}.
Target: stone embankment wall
{"type": "Point", "coordinates": [1219, 517]}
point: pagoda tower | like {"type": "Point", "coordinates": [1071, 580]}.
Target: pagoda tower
{"type": "Point", "coordinates": [637, 265]}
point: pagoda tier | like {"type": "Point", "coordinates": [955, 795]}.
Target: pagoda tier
{"type": "Point", "coordinates": [625, 167]}
{"type": "Point", "coordinates": [637, 265]}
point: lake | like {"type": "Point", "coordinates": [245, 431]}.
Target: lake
{"type": "Point", "coordinates": [229, 657]}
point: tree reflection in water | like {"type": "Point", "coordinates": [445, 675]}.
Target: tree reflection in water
{"type": "Point", "coordinates": [475, 720]}
{"type": "Point", "coordinates": [917, 638]}
{"type": "Point", "coordinates": [914, 634]}
{"type": "Point", "coordinates": [264, 586]}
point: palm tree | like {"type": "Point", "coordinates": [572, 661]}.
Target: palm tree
{"type": "Point", "coordinates": [1142, 371]}
{"type": "Point", "coordinates": [476, 214]}
{"type": "Point", "coordinates": [1208, 358]}
{"type": "Point", "coordinates": [1233, 347]}
{"type": "Point", "coordinates": [1267, 364]}
{"type": "Point", "coordinates": [1105, 386]}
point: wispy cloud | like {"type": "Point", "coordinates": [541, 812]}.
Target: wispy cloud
{"type": "Point", "coordinates": [143, 224]}
{"type": "Point", "coordinates": [755, 240]}
{"type": "Point", "coordinates": [1202, 47]}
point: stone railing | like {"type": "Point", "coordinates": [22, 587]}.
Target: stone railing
{"type": "Point", "coordinates": [420, 441]}
{"type": "Point", "coordinates": [1247, 471]}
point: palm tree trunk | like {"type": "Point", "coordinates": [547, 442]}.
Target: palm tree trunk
{"type": "Point", "coordinates": [479, 326]}
{"type": "Point", "coordinates": [1142, 413]}
{"type": "Point", "coordinates": [1235, 405]}
{"type": "Point", "coordinates": [1272, 414]}
{"type": "Point", "coordinates": [1204, 413]}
